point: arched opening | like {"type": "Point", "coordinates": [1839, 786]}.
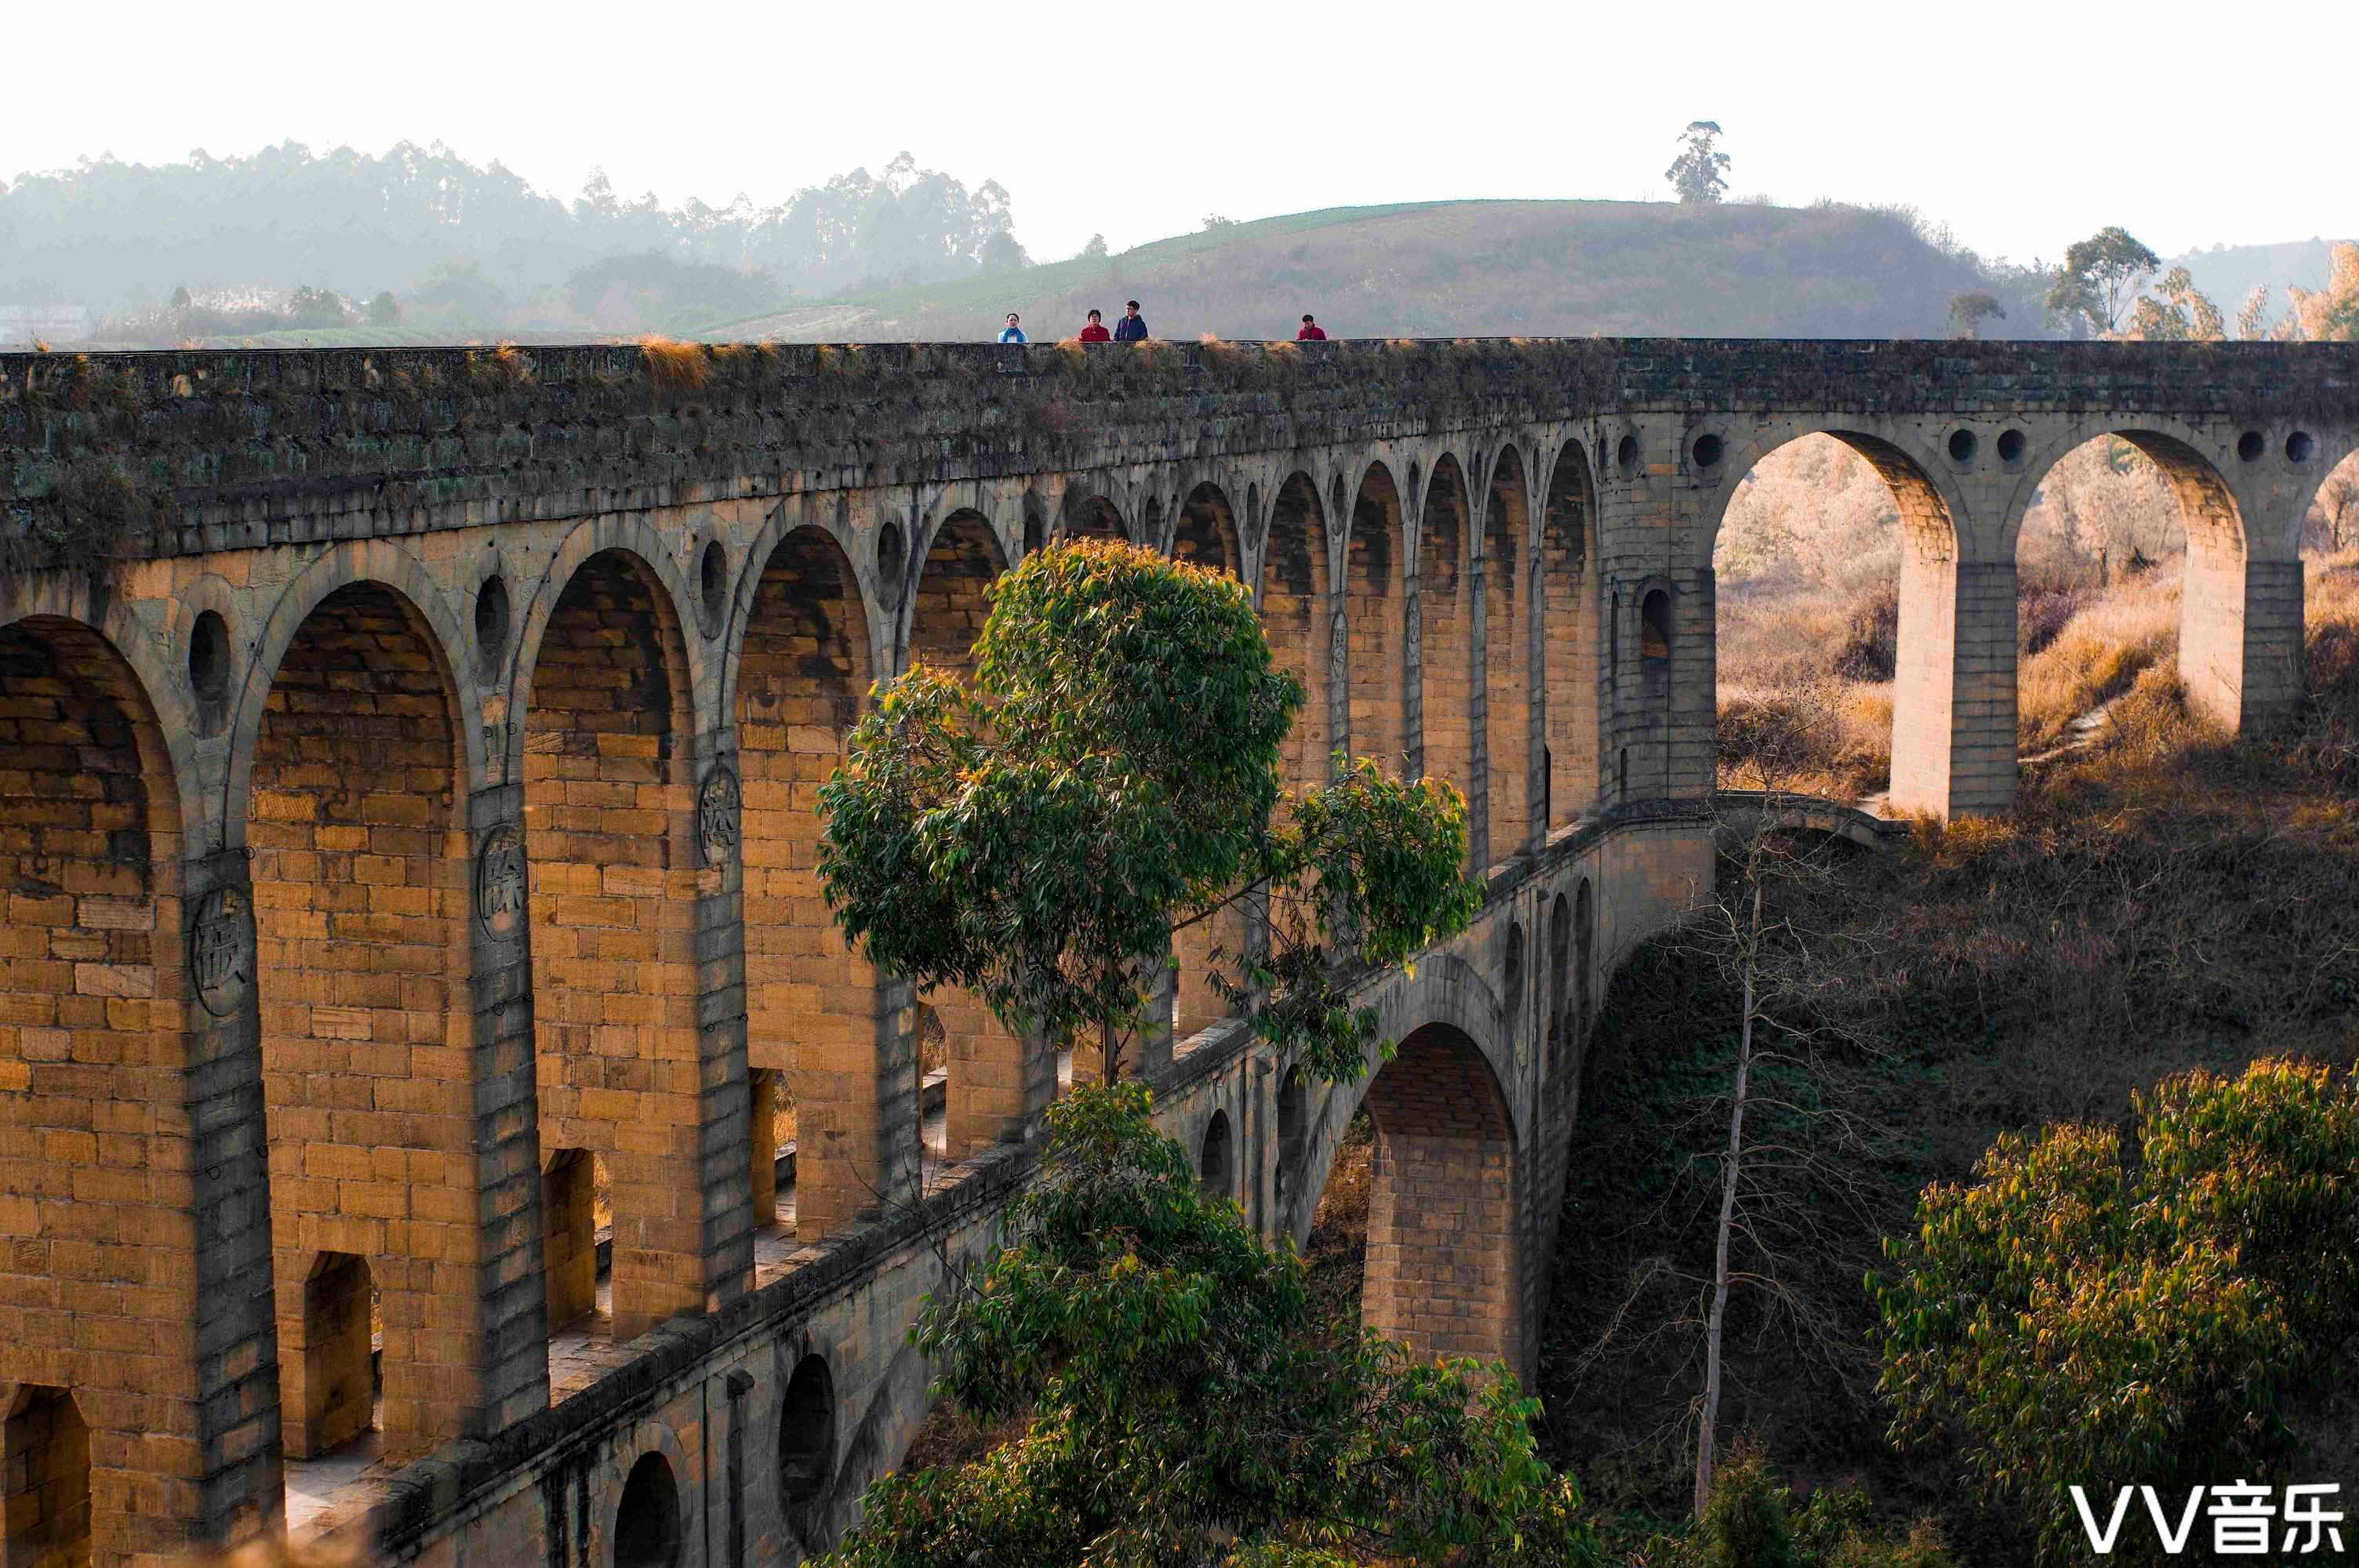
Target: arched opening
{"type": "Point", "coordinates": [1585, 957]}
{"type": "Point", "coordinates": [1566, 602]}
{"type": "Point", "coordinates": [1560, 971]}
{"type": "Point", "coordinates": [1508, 713]}
{"type": "Point", "coordinates": [1087, 516]}
{"type": "Point", "coordinates": [762, 1146]}
{"type": "Point", "coordinates": [337, 1350]}
{"type": "Point", "coordinates": [646, 1518]}
{"type": "Point", "coordinates": [48, 1498]}
{"type": "Point", "coordinates": [1293, 1119]}
{"type": "Point", "coordinates": [1446, 629]}
{"type": "Point", "coordinates": [996, 1085]}
{"type": "Point", "coordinates": [1205, 533]}
{"type": "Point", "coordinates": [362, 884]}
{"type": "Point", "coordinates": [812, 1006]}
{"type": "Point", "coordinates": [1512, 975]}
{"type": "Point", "coordinates": [1215, 1164]}
{"type": "Point", "coordinates": [805, 1434]}
{"type": "Point", "coordinates": [94, 1004]}
{"type": "Point", "coordinates": [614, 986]}
{"type": "Point", "coordinates": [1296, 613]}
{"type": "Point", "coordinates": [1443, 1223]}
{"type": "Point", "coordinates": [569, 1235]}
{"type": "Point", "coordinates": [2132, 558]}
{"type": "Point", "coordinates": [1374, 611]}
{"type": "Point", "coordinates": [1654, 644]}
{"type": "Point", "coordinates": [1834, 559]}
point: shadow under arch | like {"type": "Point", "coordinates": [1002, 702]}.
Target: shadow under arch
{"type": "Point", "coordinates": [1376, 593]}
{"type": "Point", "coordinates": [1204, 531]}
{"type": "Point", "coordinates": [634, 538]}
{"type": "Point", "coordinates": [1510, 715]}
{"type": "Point", "coordinates": [1445, 629]}
{"type": "Point", "coordinates": [1297, 613]}
{"type": "Point", "coordinates": [354, 563]}
{"type": "Point", "coordinates": [1563, 596]}
{"type": "Point", "coordinates": [1086, 514]}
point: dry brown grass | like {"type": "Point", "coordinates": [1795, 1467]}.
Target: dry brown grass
{"type": "Point", "coordinates": [675, 366]}
{"type": "Point", "coordinates": [2098, 656]}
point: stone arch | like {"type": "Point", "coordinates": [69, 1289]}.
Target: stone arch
{"type": "Point", "coordinates": [610, 794]}
{"type": "Point", "coordinates": [386, 564]}
{"type": "Point", "coordinates": [1088, 515]}
{"type": "Point", "coordinates": [814, 1014]}
{"type": "Point", "coordinates": [116, 973]}
{"type": "Point", "coordinates": [1376, 597]}
{"type": "Point", "coordinates": [1216, 1157]}
{"type": "Point", "coordinates": [2241, 642]}
{"type": "Point", "coordinates": [367, 896]}
{"type": "Point", "coordinates": [1444, 1266]}
{"type": "Point", "coordinates": [1296, 608]}
{"type": "Point", "coordinates": [1564, 597]}
{"type": "Point", "coordinates": [1951, 745]}
{"type": "Point", "coordinates": [1445, 623]}
{"type": "Point", "coordinates": [1204, 531]}
{"type": "Point", "coordinates": [996, 1084]}
{"type": "Point", "coordinates": [610, 537]}
{"type": "Point", "coordinates": [808, 1437]}
{"type": "Point", "coordinates": [1584, 971]}
{"type": "Point", "coordinates": [1509, 711]}
{"type": "Point", "coordinates": [1559, 986]}
{"type": "Point", "coordinates": [650, 1517]}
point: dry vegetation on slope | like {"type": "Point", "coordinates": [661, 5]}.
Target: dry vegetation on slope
{"type": "Point", "coordinates": [2163, 897]}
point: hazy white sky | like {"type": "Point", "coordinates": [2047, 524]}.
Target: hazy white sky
{"type": "Point", "coordinates": [2024, 126]}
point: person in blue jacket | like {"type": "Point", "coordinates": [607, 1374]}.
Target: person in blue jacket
{"type": "Point", "coordinates": [1011, 333]}
{"type": "Point", "coordinates": [1132, 328]}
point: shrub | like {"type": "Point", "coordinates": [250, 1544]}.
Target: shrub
{"type": "Point", "coordinates": [1871, 647]}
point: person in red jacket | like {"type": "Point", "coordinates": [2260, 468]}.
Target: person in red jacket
{"type": "Point", "coordinates": [1310, 332]}
{"type": "Point", "coordinates": [1096, 331]}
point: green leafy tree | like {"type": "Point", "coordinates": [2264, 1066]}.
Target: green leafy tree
{"type": "Point", "coordinates": [1699, 174]}
{"type": "Point", "coordinates": [1188, 1406]}
{"type": "Point", "coordinates": [385, 310]}
{"type": "Point", "coordinates": [1112, 775]}
{"type": "Point", "coordinates": [2101, 276]}
{"type": "Point", "coordinates": [2075, 1315]}
{"type": "Point", "coordinates": [1969, 310]}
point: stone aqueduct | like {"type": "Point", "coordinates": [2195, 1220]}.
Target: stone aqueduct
{"type": "Point", "coordinates": [408, 762]}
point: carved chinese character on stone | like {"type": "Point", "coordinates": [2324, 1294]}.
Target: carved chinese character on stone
{"type": "Point", "coordinates": [221, 950]}
{"type": "Point", "coordinates": [717, 817]}
{"type": "Point", "coordinates": [500, 887]}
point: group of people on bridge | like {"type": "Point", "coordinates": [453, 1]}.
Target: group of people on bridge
{"type": "Point", "coordinates": [1132, 328]}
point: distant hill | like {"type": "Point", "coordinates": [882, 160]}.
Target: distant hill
{"type": "Point", "coordinates": [1470, 268]}
{"type": "Point", "coordinates": [2226, 274]}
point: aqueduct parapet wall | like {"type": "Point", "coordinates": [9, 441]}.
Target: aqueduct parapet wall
{"type": "Point", "coordinates": [407, 786]}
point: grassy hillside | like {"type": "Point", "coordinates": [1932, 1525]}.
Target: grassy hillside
{"type": "Point", "coordinates": [1461, 268]}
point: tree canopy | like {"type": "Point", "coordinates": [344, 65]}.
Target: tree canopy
{"type": "Point", "coordinates": [2101, 276]}
{"type": "Point", "coordinates": [2087, 1312]}
{"type": "Point", "coordinates": [1111, 773]}
{"type": "Point", "coordinates": [1699, 174]}
{"type": "Point", "coordinates": [1186, 1405]}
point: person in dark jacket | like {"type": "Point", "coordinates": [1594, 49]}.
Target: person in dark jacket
{"type": "Point", "coordinates": [1132, 328]}
{"type": "Point", "coordinates": [1310, 332]}
{"type": "Point", "coordinates": [1096, 331]}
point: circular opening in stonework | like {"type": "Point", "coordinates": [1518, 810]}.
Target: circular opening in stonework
{"type": "Point", "coordinates": [646, 1521]}
{"type": "Point", "coordinates": [2299, 446]}
{"type": "Point", "coordinates": [712, 581]}
{"type": "Point", "coordinates": [1626, 454]}
{"type": "Point", "coordinates": [892, 556]}
{"type": "Point", "coordinates": [492, 621]}
{"type": "Point", "coordinates": [2250, 446]}
{"type": "Point", "coordinates": [1961, 445]}
{"type": "Point", "coordinates": [1708, 451]}
{"type": "Point", "coordinates": [806, 1433]}
{"type": "Point", "coordinates": [2010, 445]}
{"type": "Point", "coordinates": [209, 657]}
